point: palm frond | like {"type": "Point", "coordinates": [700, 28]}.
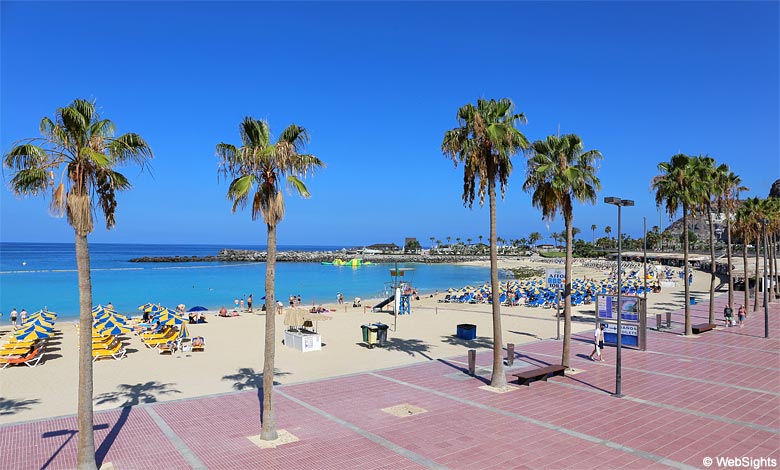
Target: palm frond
{"type": "Point", "coordinates": [29, 181]}
{"type": "Point", "coordinates": [298, 186]}
{"type": "Point", "coordinates": [131, 147]}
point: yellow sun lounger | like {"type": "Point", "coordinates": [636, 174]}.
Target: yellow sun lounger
{"type": "Point", "coordinates": [154, 342]}
{"type": "Point", "coordinates": [117, 352]}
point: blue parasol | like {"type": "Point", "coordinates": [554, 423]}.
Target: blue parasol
{"type": "Point", "coordinates": [197, 308]}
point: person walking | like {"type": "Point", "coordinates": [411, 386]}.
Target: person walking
{"type": "Point", "coordinates": [598, 342]}
{"type": "Point", "coordinates": [741, 315]}
{"type": "Point", "coordinates": [14, 314]}
{"type": "Point", "coordinates": [727, 315]}
{"type": "Point", "coordinates": [249, 302]}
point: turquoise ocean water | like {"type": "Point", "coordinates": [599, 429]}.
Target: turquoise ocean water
{"type": "Point", "coordinates": [34, 275]}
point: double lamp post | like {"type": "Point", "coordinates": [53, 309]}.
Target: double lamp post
{"type": "Point", "coordinates": [618, 370]}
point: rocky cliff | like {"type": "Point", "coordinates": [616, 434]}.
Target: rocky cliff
{"type": "Point", "coordinates": [307, 257]}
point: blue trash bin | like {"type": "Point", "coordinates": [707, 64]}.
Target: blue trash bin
{"type": "Point", "coordinates": [467, 331]}
{"type": "Point", "coordinates": [693, 300]}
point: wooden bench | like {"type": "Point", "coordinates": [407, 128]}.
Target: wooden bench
{"type": "Point", "coordinates": [526, 377]}
{"type": "Point", "coordinates": [702, 327]}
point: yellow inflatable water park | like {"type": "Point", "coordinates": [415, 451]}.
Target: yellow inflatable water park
{"type": "Point", "coordinates": [354, 262]}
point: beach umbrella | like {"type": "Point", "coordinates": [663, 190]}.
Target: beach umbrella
{"type": "Point", "coordinates": [38, 322]}
{"type": "Point", "coordinates": [293, 317]}
{"type": "Point", "coordinates": [111, 325]}
{"type": "Point", "coordinates": [197, 308]}
{"type": "Point", "coordinates": [30, 334]}
{"type": "Point", "coordinates": [184, 331]}
{"type": "Point", "coordinates": [48, 316]}
{"type": "Point", "coordinates": [172, 320]}
{"type": "Point", "coordinates": [316, 317]}
{"type": "Point", "coordinates": [112, 330]}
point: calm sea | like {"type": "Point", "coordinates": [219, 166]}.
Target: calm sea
{"type": "Point", "coordinates": [34, 275]}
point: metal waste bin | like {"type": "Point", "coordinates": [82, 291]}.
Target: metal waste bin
{"type": "Point", "coordinates": [381, 333]}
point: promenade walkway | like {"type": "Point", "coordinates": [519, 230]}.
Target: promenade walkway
{"type": "Point", "coordinates": [687, 400]}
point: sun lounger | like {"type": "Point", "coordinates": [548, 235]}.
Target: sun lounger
{"type": "Point", "coordinates": [117, 353]}
{"type": "Point", "coordinates": [30, 360]}
{"type": "Point", "coordinates": [169, 347]}
{"type": "Point", "coordinates": [154, 342]}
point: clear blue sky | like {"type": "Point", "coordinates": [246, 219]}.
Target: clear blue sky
{"type": "Point", "coordinates": [377, 85]}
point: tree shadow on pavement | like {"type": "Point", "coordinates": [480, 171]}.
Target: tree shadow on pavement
{"type": "Point", "coordinates": [64, 432]}
{"type": "Point", "coordinates": [248, 379]}
{"type": "Point", "coordinates": [129, 395]}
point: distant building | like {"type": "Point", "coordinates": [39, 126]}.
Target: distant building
{"type": "Point", "coordinates": [378, 248]}
{"type": "Point", "coordinates": [545, 247]}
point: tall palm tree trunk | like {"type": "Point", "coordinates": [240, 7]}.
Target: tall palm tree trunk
{"type": "Point", "coordinates": [268, 432]}
{"type": "Point", "coordinates": [712, 265]}
{"type": "Point", "coordinates": [728, 259]}
{"type": "Point", "coordinates": [758, 248]}
{"type": "Point", "coordinates": [86, 444]}
{"type": "Point", "coordinates": [745, 267]}
{"type": "Point", "coordinates": [686, 271]}
{"type": "Point", "coordinates": [567, 297]}
{"type": "Point", "coordinates": [498, 378]}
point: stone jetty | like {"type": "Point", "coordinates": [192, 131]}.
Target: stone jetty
{"type": "Point", "coordinates": [243, 256]}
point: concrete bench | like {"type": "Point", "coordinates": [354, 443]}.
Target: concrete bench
{"type": "Point", "coordinates": [702, 327]}
{"type": "Point", "coordinates": [526, 377]}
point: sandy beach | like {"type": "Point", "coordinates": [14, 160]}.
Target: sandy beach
{"type": "Point", "coordinates": [233, 355]}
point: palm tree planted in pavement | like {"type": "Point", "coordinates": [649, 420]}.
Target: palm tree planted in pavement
{"type": "Point", "coordinates": [707, 174]}
{"type": "Point", "coordinates": [258, 169]}
{"type": "Point", "coordinates": [81, 148]}
{"type": "Point", "coordinates": [728, 186]}
{"type": "Point", "coordinates": [484, 142]}
{"type": "Point", "coordinates": [677, 187]}
{"type": "Point", "coordinates": [561, 171]}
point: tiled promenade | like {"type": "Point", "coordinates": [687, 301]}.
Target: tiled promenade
{"type": "Point", "coordinates": [686, 400]}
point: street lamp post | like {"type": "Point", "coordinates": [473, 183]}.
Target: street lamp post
{"type": "Point", "coordinates": [618, 359]}
{"type": "Point", "coordinates": [764, 279]}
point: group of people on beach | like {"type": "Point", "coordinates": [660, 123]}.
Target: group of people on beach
{"type": "Point", "coordinates": [18, 315]}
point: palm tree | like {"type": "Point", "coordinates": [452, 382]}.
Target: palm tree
{"type": "Point", "coordinates": [534, 237]}
{"type": "Point", "coordinates": [677, 186]}
{"type": "Point", "coordinates": [432, 239]}
{"type": "Point", "coordinates": [480, 239]}
{"type": "Point", "coordinates": [575, 231]}
{"type": "Point", "coordinates": [449, 239]}
{"type": "Point", "coordinates": [708, 177]}
{"type": "Point", "coordinates": [561, 171]}
{"type": "Point", "coordinates": [728, 186]}
{"type": "Point", "coordinates": [257, 170]}
{"type": "Point", "coordinates": [749, 227]}
{"type": "Point", "coordinates": [607, 231]}
{"type": "Point", "coordinates": [78, 140]}
{"type": "Point", "coordinates": [484, 142]}
{"type": "Point", "coordinates": [593, 234]}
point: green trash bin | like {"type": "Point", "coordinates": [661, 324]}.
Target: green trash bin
{"type": "Point", "coordinates": [365, 333]}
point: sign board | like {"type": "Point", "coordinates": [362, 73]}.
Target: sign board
{"type": "Point", "coordinates": [633, 317]}
{"type": "Point", "coordinates": [555, 278]}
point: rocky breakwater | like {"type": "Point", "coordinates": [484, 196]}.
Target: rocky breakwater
{"type": "Point", "coordinates": [238, 256]}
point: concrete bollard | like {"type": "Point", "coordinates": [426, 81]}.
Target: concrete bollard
{"type": "Point", "coordinates": [668, 319]}
{"type": "Point", "coordinates": [658, 321]}
{"type": "Point", "coordinates": [472, 361]}
{"type": "Point", "coordinates": [510, 354]}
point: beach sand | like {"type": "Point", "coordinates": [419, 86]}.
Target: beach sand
{"type": "Point", "coordinates": [232, 359]}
